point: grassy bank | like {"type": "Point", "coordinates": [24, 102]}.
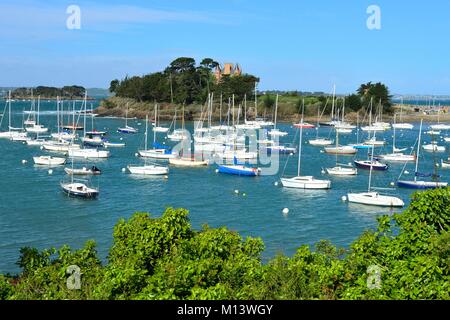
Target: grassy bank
{"type": "Point", "coordinates": [288, 111]}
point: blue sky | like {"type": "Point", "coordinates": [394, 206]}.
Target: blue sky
{"type": "Point", "coordinates": [290, 45]}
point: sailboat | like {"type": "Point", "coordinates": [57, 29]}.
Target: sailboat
{"type": "Point", "coordinates": [341, 169]}
{"type": "Point", "coordinates": [421, 184]}
{"type": "Point", "coordinates": [178, 134]}
{"type": "Point", "coordinates": [239, 169]}
{"type": "Point", "coordinates": [440, 126]}
{"type": "Point", "coordinates": [158, 127]}
{"type": "Point", "coordinates": [158, 151]}
{"type": "Point", "coordinates": [342, 126]}
{"type": "Point", "coordinates": [402, 125]}
{"type": "Point", "coordinates": [147, 169]}
{"type": "Point", "coordinates": [49, 160]}
{"type": "Point", "coordinates": [397, 155]}
{"type": "Point", "coordinates": [78, 188]}
{"type": "Point", "coordinates": [304, 182]}
{"type": "Point", "coordinates": [275, 131]}
{"type": "Point", "coordinates": [36, 127]}
{"type": "Point", "coordinates": [86, 152]}
{"type": "Point", "coordinates": [319, 141]}
{"type": "Point", "coordinates": [127, 128]}
{"type": "Point", "coordinates": [12, 133]}
{"type": "Point", "coordinates": [372, 163]}
{"type": "Point", "coordinates": [374, 198]}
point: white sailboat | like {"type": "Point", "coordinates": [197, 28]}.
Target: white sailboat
{"type": "Point", "coordinates": [304, 182]}
{"type": "Point", "coordinates": [320, 141]}
{"type": "Point", "coordinates": [49, 160]}
{"type": "Point", "coordinates": [420, 184]}
{"type": "Point", "coordinates": [148, 169]}
{"type": "Point", "coordinates": [374, 198]}
{"type": "Point", "coordinates": [275, 131]}
{"type": "Point", "coordinates": [158, 151]}
{"type": "Point", "coordinates": [397, 155]}
{"type": "Point", "coordinates": [341, 169]}
{"type": "Point", "coordinates": [87, 153]}
{"type": "Point", "coordinates": [12, 133]}
{"type": "Point", "coordinates": [78, 188]}
{"type": "Point", "coordinates": [178, 134]}
{"type": "Point", "coordinates": [127, 128]}
{"type": "Point", "coordinates": [158, 127]}
{"type": "Point", "coordinates": [402, 125]}
{"type": "Point", "coordinates": [36, 127]}
{"type": "Point", "coordinates": [439, 125]}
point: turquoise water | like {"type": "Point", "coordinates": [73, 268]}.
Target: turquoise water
{"type": "Point", "coordinates": [34, 211]}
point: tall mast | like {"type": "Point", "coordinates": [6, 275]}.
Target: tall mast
{"type": "Point", "coordinates": [371, 167]}
{"type": "Point", "coordinates": [126, 116]}
{"type": "Point", "coordinates": [300, 146]}
{"type": "Point", "coordinates": [39, 106]}
{"type": "Point", "coordinates": [154, 131]}
{"type": "Point", "coordinates": [146, 131]}
{"type": "Point", "coordinates": [276, 111]}
{"type": "Point", "coordinates": [232, 109]}
{"type": "Point", "coordinates": [393, 140]}
{"type": "Point", "coordinates": [418, 150]}
{"type": "Point", "coordinates": [332, 106]}
{"type": "Point", "coordinates": [220, 110]}
{"type": "Point", "coordinates": [85, 110]}
{"type": "Point", "coordinates": [256, 102]}
{"type": "Point", "coordinates": [9, 111]}
{"type": "Point", "coordinates": [57, 114]}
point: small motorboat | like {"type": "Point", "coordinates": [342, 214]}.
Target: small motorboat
{"type": "Point", "coordinates": [113, 144]}
{"type": "Point", "coordinates": [83, 171]}
{"type": "Point", "coordinates": [342, 171]}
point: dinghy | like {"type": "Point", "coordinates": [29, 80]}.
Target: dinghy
{"type": "Point", "coordinates": [83, 171]}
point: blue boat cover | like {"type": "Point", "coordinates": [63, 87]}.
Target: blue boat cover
{"type": "Point", "coordinates": [156, 145]}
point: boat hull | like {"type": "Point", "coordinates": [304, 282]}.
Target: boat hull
{"type": "Point", "coordinates": [239, 170]}
{"type": "Point", "coordinates": [375, 199]}
{"type": "Point", "coordinates": [305, 183]}
{"type": "Point", "coordinates": [73, 189]}
{"type": "Point", "coordinates": [148, 170]}
{"type": "Point", "coordinates": [421, 184]}
{"type": "Point", "coordinates": [366, 165]}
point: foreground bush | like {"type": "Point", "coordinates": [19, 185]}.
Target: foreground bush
{"type": "Point", "coordinates": [406, 257]}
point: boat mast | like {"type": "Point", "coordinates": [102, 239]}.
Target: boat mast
{"type": "Point", "coordinates": [220, 110]}
{"type": "Point", "coordinates": [256, 103]}
{"type": "Point", "coordinates": [276, 112]}
{"type": "Point", "coordinates": [39, 106]}
{"type": "Point", "coordinates": [332, 106]}
{"type": "Point", "coordinates": [9, 111]}
{"type": "Point", "coordinates": [371, 167]}
{"type": "Point", "coordinates": [418, 150]}
{"type": "Point", "coordinates": [154, 131]}
{"type": "Point", "coordinates": [393, 139]}
{"type": "Point", "coordinates": [300, 145]}
{"type": "Point", "coordinates": [126, 116]}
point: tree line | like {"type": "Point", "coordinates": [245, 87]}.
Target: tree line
{"type": "Point", "coordinates": [407, 256]}
{"type": "Point", "coordinates": [184, 82]}
{"type": "Point", "coordinates": [70, 92]}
